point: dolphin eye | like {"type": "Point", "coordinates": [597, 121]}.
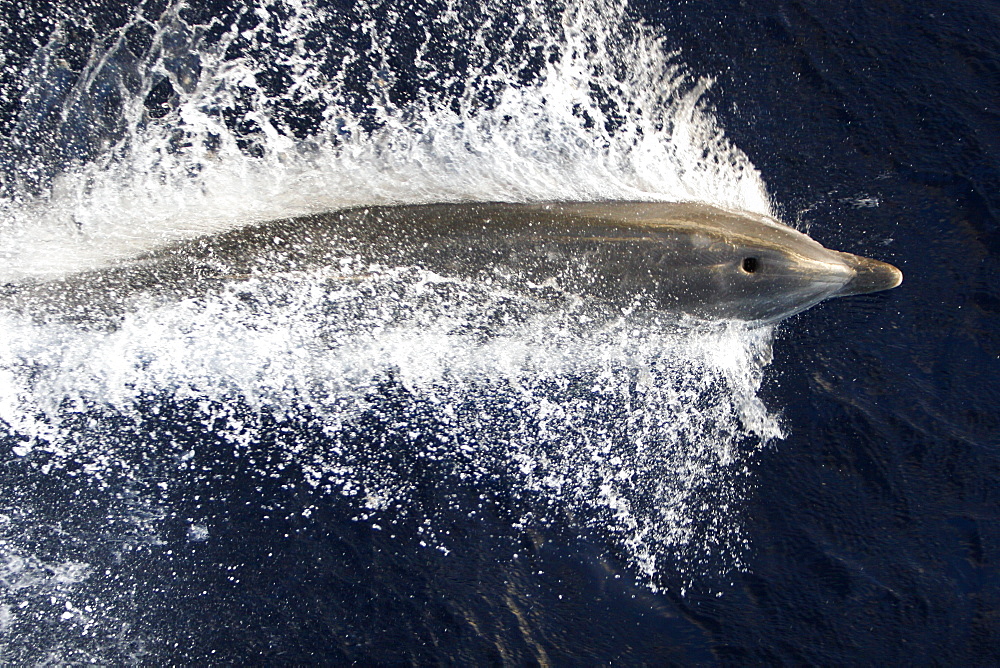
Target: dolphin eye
{"type": "Point", "coordinates": [750, 264]}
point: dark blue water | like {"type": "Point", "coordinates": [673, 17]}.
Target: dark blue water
{"type": "Point", "coordinates": [873, 522]}
{"type": "Point", "coordinates": [874, 519]}
{"type": "Point", "coordinates": [872, 529]}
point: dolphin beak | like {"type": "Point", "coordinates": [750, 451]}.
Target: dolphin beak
{"type": "Point", "coordinates": [869, 275]}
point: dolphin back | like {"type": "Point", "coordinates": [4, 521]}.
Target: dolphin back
{"type": "Point", "coordinates": [691, 258]}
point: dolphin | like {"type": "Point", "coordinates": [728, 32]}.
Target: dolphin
{"type": "Point", "coordinates": [687, 258]}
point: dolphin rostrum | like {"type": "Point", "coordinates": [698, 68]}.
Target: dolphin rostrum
{"type": "Point", "coordinates": [688, 258]}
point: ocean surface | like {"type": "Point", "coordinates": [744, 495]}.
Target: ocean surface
{"type": "Point", "coordinates": [378, 465]}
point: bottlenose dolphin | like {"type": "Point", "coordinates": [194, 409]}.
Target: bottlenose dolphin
{"type": "Point", "coordinates": [688, 258]}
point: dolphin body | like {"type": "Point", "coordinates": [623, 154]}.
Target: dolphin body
{"type": "Point", "coordinates": [689, 258]}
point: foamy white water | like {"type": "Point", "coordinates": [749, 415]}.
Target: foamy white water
{"type": "Point", "coordinates": [644, 134]}
{"type": "Point", "coordinates": [634, 427]}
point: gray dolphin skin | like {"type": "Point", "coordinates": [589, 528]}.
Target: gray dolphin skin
{"type": "Point", "coordinates": [687, 258]}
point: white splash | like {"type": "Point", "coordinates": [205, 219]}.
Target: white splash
{"type": "Point", "coordinates": [610, 114]}
{"type": "Point", "coordinates": [623, 422]}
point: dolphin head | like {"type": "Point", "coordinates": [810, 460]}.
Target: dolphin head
{"type": "Point", "coordinates": [768, 282]}
{"type": "Point", "coordinates": [718, 264]}
{"type": "Point", "coordinates": [764, 271]}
